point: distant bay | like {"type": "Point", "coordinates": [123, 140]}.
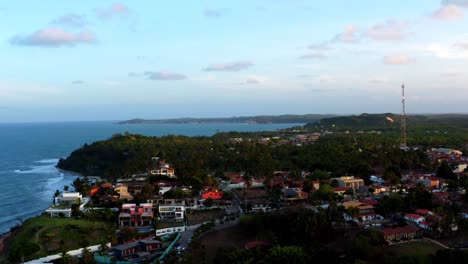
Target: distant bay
{"type": "Point", "coordinates": [30, 151]}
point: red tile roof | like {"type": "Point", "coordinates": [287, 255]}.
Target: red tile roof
{"type": "Point", "coordinates": [422, 211]}
{"type": "Point", "coordinates": [414, 216]}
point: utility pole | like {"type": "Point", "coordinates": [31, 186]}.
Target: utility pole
{"type": "Point", "coordinates": [403, 145]}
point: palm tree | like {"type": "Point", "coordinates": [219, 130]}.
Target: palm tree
{"type": "Point", "coordinates": [86, 256]}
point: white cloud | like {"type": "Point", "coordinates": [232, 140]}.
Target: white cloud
{"type": "Point", "coordinates": [444, 51]}
{"type": "Point", "coordinates": [462, 3]}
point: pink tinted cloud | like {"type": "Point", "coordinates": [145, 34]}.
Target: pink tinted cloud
{"type": "Point", "coordinates": [390, 30]}
{"type": "Point", "coordinates": [114, 10]}
{"type": "Point", "coordinates": [448, 12]}
{"type": "Point", "coordinates": [397, 60]}
{"type": "Point", "coordinates": [54, 37]}
{"type": "Point", "coordinates": [349, 35]}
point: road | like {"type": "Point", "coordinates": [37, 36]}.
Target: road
{"type": "Point", "coordinates": [185, 237]}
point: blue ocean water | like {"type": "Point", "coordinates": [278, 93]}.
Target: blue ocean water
{"type": "Point", "coordinates": [30, 151]}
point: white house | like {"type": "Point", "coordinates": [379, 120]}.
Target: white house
{"type": "Point", "coordinates": [171, 212]}
{"type": "Point", "coordinates": [68, 198]}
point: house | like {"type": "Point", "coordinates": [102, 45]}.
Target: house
{"type": "Point", "coordinates": [62, 206]}
{"type": "Point", "coordinates": [136, 187]}
{"type": "Point", "coordinates": [164, 169]}
{"type": "Point", "coordinates": [376, 179]}
{"type": "Point", "coordinates": [139, 249]}
{"type": "Point", "coordinates": [423, 212]}
{"type": "Point", "coordinates": [291, 195]}
{"type": "Point", "coordinates": [405, 232]}
{"type": "Point", "coordinates": [259, 205]}
{"type": "Point", "coordinates": [136, 215]}
{"type": "Point", "coordinates": [341, 190]}
{"type": "Point", "coordinates": [122, 190]}
{"type": "Point", "coordinates": [360, 212]}
{"type": "Point", "coordinates": [68, 198]}
{"type": "Point", "coordinates": [172, 212]}
{"type": "Point", "coordinates": [418, 219]}
{"type": "Point", "coordinates": [350, 182]}
{"type": "Point", "coordinates": [163, 189]}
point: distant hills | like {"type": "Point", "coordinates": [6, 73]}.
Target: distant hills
{"type": "Point", "coordinates": [264, 119]}
{"type": "Point", "coordinates": [381, 122]}
{"type": "Point", "coordinates": [390, 121]}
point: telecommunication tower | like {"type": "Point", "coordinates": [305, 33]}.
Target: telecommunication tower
{"type": "Point", "coordinates": [403, 145]}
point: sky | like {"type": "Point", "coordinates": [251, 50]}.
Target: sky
{"type": "Point", "coordinates": [116, 60]}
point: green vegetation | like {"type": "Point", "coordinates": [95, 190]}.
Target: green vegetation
{"type": "Point", "coordinates": [41, 236]}
{"type": "Point", "coordinates": [389, 122]}
{"type": "Point", "coordinates": [421, 251]}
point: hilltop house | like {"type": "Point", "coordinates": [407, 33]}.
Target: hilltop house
{"type": "Point", "coordinates": [62, 206]}
{"type": "Point", "coordinates": [164, 169]}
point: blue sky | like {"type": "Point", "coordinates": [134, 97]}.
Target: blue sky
{"type": "Point", "coordinates": [108, 60]}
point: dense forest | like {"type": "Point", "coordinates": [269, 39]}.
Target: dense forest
{"type": "Point", "coordinates": [196, 157]}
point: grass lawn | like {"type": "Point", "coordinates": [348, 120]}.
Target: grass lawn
{"type": "Point", "coordinates": [41, 236]}
{"type": "Point", "coordinates": [420, 249]}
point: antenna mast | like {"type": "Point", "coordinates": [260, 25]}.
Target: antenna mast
{"type": "Point", "coordinates": [403, 145]}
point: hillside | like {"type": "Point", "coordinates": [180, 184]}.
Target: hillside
{"type": "Point", "coordinates": [391, 122]}
{"type": "Point", "coordinates": [264, 119]}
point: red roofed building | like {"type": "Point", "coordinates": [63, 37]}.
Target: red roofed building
{"type": "Point", "coordinates": [215, 195]}
{"type": "Point", "coordinates": [369, 201]}
{"type": "Point", "coordinates": [415, 218]}
{"type": "Point", "coordinates": [423, 212]}
{"type": "Point", "coordinates": [405, 232]}
{"type": "Point", "coordinates": [341, 190]}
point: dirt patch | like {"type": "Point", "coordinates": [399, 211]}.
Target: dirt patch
{"type": "Point", "coordinates": [229, 237]}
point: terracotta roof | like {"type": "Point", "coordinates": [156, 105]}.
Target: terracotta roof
{"type": "Point", "coordinates": [341, 189]}
{"type": "Point", "coordinates": [423, 211]}
{"type": "Point", "coordinates": [369, 201]}
{"type": "Point", "coordinates": [414, 216]}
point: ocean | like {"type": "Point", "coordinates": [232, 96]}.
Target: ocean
{"type": "Point", "coordinates": [30, 151]}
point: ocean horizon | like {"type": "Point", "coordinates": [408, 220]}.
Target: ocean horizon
{"type": "Point", "coordinates": [30, 151]}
